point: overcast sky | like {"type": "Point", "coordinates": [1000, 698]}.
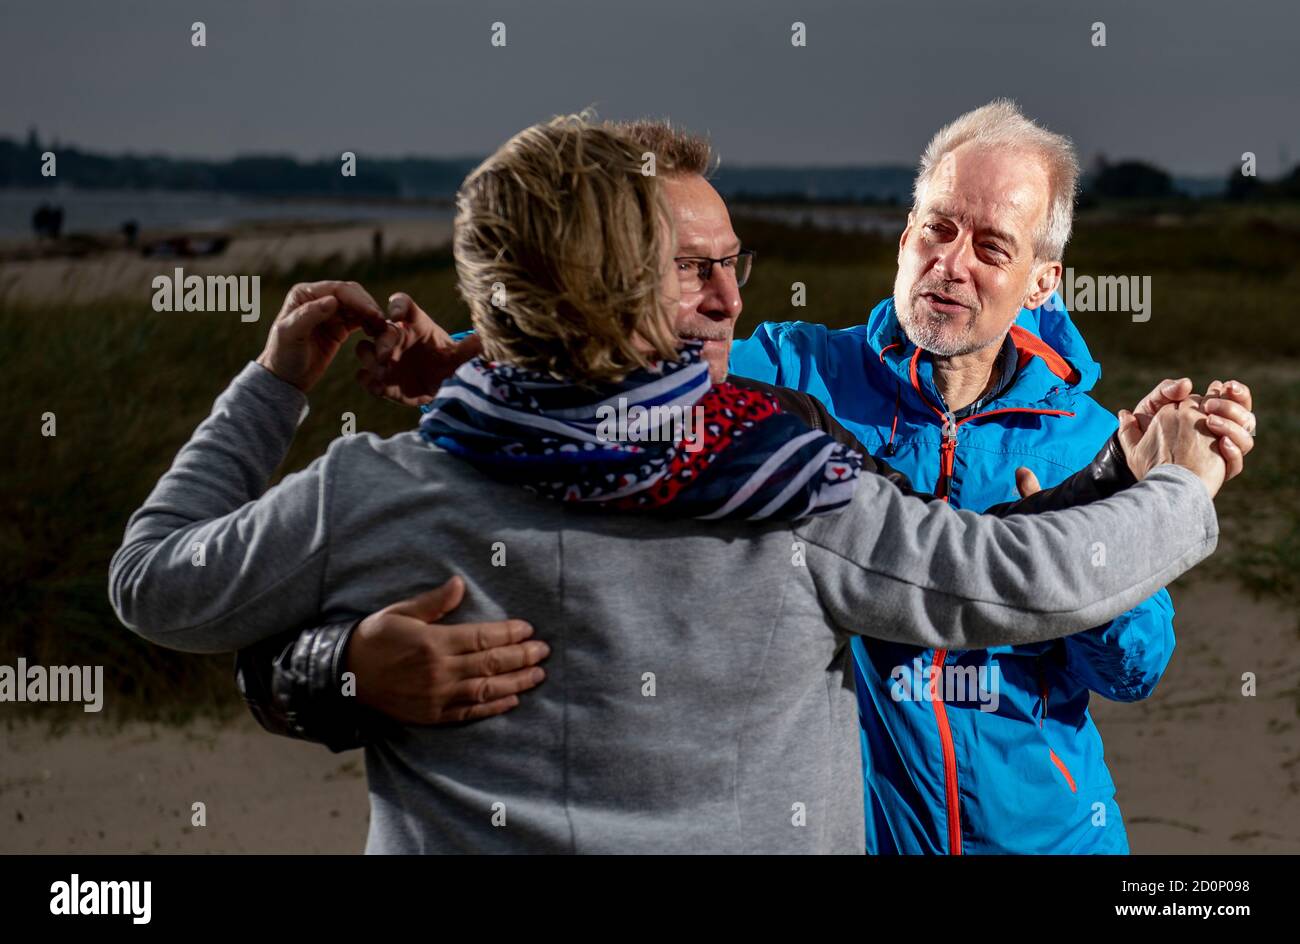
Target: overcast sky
{"type": "Point", "coordinates": [1189, 85]}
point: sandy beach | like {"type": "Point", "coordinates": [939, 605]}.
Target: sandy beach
{"type": "Point", "coordinates": [1200, 768]}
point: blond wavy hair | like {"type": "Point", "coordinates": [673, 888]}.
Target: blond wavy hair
{"type": "Point", "coordinates": [560, 243]}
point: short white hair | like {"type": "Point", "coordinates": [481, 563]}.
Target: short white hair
{"type": "Point", "coordinates": [1000, 124]}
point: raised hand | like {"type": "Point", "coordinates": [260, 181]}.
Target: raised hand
{"type": "Point", "coordinates": [1179, 434]}
{"type": "Point", "coordinates": [314, 321]}
{"type": "Point", "coordinates": [409, 360]}
{"type": "Point", "coordinates": [1229, 406]}
{"type": "Point", "coordinates": [1226, 404]}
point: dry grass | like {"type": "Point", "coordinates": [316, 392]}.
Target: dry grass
{"type": "Point", "coordinates": [129, 385]}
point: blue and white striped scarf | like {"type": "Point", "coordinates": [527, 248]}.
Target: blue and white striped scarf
{"type": "Point", "coordinates": [663, 441]}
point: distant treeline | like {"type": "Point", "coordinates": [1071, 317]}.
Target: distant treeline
{"type": "Point", "coordinates": [20, 166]}
{"type": "Point", "coordinates": [1137, 180]}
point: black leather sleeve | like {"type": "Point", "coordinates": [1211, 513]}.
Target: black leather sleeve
{"type": "Point", "coordinates": [293, 684]}
{"type": "Point", "coordinates": [1107, 474]}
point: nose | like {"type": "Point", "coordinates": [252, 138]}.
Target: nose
{"type": "Point", "coordinates": [720, 296]}
{"type": "Point", "coordinates": [953, 258]}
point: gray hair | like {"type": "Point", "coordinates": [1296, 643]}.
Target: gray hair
{"type": "Point", "coordinates": [1000, 124]}
{"type": "Point", "coordinates": [678, 151]}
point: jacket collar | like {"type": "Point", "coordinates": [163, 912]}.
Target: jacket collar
{"type": "Point", "coordinates": [1053, 362]}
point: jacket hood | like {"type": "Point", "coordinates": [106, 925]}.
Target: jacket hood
{"type": "Point", "coordinates": [1054, 359]}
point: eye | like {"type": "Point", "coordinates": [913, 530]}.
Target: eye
{"type": "Point", "coordinates": [729, 263]}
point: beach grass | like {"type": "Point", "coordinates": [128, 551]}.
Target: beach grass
{"type": "Point", "coordinates": [127, 386]}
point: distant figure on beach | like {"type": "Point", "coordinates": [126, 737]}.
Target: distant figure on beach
{"type": "Point", "coordinates": [130, 230]}
{"type": "Point", "coordinates": [47, 221]}
{"type": "Point", "coordinates": [377, 247]}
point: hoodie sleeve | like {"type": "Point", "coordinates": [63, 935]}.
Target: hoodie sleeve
{"type": "Point", "coordinates": [204, 565]}
{"type": "Point", "coordinates": [926, 574]}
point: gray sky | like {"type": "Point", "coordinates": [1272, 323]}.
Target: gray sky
{"type": "Point", "coordinates": [1189, 85]}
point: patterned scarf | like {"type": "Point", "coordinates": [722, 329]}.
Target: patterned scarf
{"type": "Point", "coordinates": [663, 441]}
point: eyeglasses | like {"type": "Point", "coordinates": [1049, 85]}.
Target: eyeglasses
{"type": "Point", "coordinates": [694, 272]}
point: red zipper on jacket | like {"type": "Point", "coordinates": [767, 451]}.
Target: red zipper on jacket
{"type": "Point", "coordinates": [951, 798]}
{"type": "Point", "coordinates": [947, 455]}
{"type": "Point", "coordinates": [948, 448]}
{"type": "Point", "coordinates": [947, 460]}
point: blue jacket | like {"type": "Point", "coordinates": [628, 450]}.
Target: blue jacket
{"type": "Point", "coordinates": [1026, 774]}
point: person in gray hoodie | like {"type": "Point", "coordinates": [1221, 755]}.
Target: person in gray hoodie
{"type": "Point", "coordinates": [700, 580]}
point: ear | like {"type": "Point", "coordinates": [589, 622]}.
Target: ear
{"type": "Point", "coordinates": [1046, 277]}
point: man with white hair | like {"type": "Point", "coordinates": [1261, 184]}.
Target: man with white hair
{"type": "Point", "coordinates": [971, 370]}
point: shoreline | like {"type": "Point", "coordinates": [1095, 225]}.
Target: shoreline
{"type": "Point", "coordinates": [262, 250]}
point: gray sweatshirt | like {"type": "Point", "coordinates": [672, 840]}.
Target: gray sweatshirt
{"type": "Point", "coordinates": [698, 696]}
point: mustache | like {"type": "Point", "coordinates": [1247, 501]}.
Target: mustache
{"type": "Point", "coordinates": [941, 288]}
{"type": "Point", "coordinates": [720, 334]}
